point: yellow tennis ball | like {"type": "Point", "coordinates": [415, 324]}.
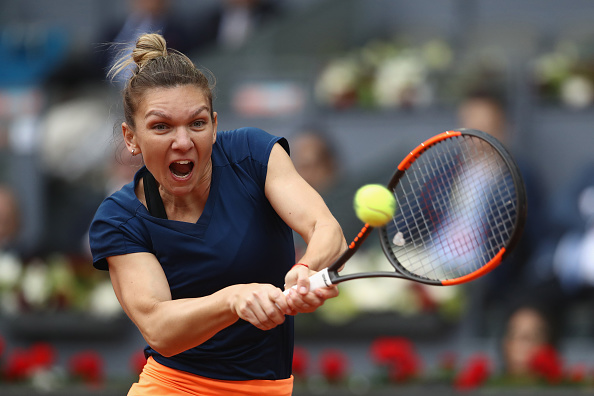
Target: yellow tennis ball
{"type": "Point", "coordinates": [374, 204]}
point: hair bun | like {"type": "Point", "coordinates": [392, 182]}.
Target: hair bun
{"type": "Point", "coordinates": [148, 47]}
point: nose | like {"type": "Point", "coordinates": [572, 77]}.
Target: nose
{"type": "Point", "coordinates": [182, 140]}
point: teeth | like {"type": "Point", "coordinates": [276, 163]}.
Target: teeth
{"type": "Point", "coordinates": [182, 162]}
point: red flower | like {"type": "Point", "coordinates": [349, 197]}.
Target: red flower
{"type": "Point", "coordinates": [18, 365]}
{"type": "Point", "coordinates": [42, 355]}
{"type": "Point", "coordinates": [398, 355]}
{"type": "Point", "coordinates": [577, 373]}
{"type": "Point", "coordinates": [333, 365]}
{"type": "Point", "coordinates": [385, 350]}
{"type": "Point", "coordinates": [137, 362]}
{"type": "Point", "coordinates": [474, 374]}
{"type": "Point", "coordinates": [547, 364]}
{"type": "Point", "coordinates": [300, 362]}
{"type": "Point", "coordinates": [88, 366]}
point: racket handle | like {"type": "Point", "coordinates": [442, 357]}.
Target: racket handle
{"type": "Point", "coordinates": [316, 281]}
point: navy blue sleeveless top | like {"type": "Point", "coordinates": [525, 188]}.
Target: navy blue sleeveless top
{"type": "Point", "coordinates": [239, 238]}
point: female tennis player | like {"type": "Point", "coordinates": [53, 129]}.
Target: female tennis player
{"type": "Point", "coordinates": [199, 246]}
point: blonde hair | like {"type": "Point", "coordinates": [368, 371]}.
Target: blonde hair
{"type": "Point", "coordinates": [156, 66]}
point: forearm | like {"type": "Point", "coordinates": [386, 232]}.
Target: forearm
{"type": "Point", "coordinates": [174, 326]}
{"type": "Point", "coordinates": [324, 244]}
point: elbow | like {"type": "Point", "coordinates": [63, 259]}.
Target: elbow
{"type": "Point", "coordinates": [159, 341]}
{"type": "Point", "coordinates": [168, 344]}
{"type": "Point", "coordinates": [162, 346]}
{"type": "Point", "coordinates": [166, 352]}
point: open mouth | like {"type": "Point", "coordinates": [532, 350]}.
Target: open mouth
{"type": "Point", "coordinates": [181, 169]}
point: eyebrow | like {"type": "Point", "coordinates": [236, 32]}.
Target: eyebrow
{"type": "Point", "coordinates": [160, 114]}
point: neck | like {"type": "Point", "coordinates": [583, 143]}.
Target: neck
{"type": "Point", "coordinates": [188, 207]}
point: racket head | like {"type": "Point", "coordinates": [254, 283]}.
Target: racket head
{"type": "Point", "coordinates": [461, 209]}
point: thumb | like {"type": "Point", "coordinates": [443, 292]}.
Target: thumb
{"type": "Point", "coordinates": [303, 282]}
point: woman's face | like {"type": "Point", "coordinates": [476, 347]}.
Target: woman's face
{"type": "Point", "coordinates": [175, 133]}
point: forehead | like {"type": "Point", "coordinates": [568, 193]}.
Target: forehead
{"type": "Point", "coordinates": [527, 319]}
{"type": "Point", "coordinates": [178, 99]}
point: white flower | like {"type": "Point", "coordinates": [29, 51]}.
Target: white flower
{"type": "Point", "coordinates": [402, 80]}
{"type": "Point", "coordinates": [338, 78]}
{"type": "Point", "coordinates": [577, 92]}
{"type": "Point", "coordinates": [10, 270]}
{"type": "Point", "coordinates": [103, 301]}
{"type": "Point", "coordinates": [36, 285]}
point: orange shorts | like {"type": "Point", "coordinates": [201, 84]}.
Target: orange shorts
{"type": "Point", "coordinates": [157, 379]}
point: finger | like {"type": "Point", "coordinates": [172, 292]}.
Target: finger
{"type": "Point", "coordinates": [311, 301]}
{"type": "Point", "coordinates": [256, 312]}
{"type": "Point", "coordinates": [291, 278]}
{"type": "Point", "coordinates": [273, 304]}
{"type": "Point", "coordinates": [280, 301]}
{"type": "Point", "coordinates": [299, 303]}
{"type": "Point", "coordinates": [262, 319]}
{"type": "Point", "coordinates": [327, 292]}
{"type": "Point", "coordinates": [303, 284]}
{"type": "Point", "coordinates": [298, 276]}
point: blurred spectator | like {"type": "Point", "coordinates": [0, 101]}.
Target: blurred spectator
{"type": "Point", "coordinates": [74, 148]}
{"type": "Point", "coordinates": [486, 112]}
{"type": "Point", "coordinates": [573, 224]}
{"type": "Point", "coordinates": [9, 219]}
{"type": "Point", "coordinates": [145, 16]}
{"type": "Point", "coordinates": [531, 326]}
{"type": "Point", "coordinates": [232, 22]}
{"type": "Point", "coordinates": [29, 54]}
{"type": "Point", "coordinates": [119, 35]}
{"type": "Point", "coordinates": [315, 159]}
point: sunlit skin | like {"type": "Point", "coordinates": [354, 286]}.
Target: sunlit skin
{"type": "Point", "coordinates": [174, 125]}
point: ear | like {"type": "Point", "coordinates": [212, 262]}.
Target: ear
{"type": "Point", "coordinates": [215, 125]}
{"type": "Point", "coordinates": [130, 139]}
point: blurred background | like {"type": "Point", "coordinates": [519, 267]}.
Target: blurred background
{"type": "Point", "coordinates": [354, 85]}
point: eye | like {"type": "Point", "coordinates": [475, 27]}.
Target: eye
{"type": "Point", "coordinates": [160, 127]}
{"type": "Point", "coordinates": [198, 124]}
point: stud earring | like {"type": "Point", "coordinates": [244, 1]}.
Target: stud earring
{"type": "Point", "coordinates": [133, 151]}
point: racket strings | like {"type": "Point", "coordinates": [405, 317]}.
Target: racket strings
{"type": "Point", "coordinates": [456, 209]}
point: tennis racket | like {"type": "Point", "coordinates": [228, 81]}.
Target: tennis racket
{"type": "Point", "coordinates": [461, 208]}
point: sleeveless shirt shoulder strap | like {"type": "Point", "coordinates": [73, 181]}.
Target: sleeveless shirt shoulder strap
{"type": "Point", "coordinates": [154, 202]}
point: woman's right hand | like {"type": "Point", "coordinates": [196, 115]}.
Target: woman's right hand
{"type": "Point", "coordinates": [263, 305]}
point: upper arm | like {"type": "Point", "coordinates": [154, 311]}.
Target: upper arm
{"type": "Point", "coordinates": [295, 201]}
{"type": "Point", "coordinates": [139, 284]}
